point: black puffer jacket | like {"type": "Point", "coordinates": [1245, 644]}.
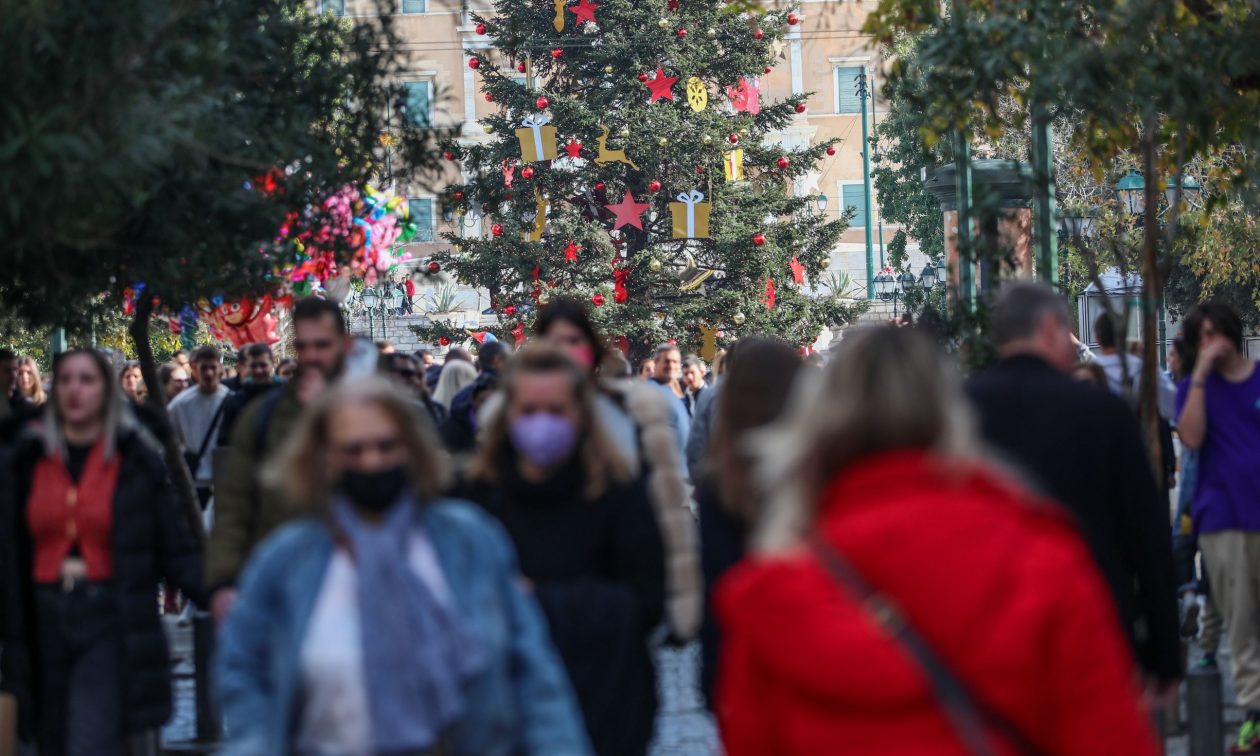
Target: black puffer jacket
{"type": "Point", "coordinates": [151, 542]}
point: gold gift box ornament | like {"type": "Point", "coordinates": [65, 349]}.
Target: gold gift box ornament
{"type": "Point", "coordinates": [690, 215]}
{"type": "Point", "coordinates": [538, 140]}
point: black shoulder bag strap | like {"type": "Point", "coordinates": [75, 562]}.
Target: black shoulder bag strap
{"type": "Point", "coordinates": [972, 719]}
{"type": "Point", "coordinates": [210, 433]}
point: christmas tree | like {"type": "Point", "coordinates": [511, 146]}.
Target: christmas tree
{"type": "Point", "coordinates": [629, 165]}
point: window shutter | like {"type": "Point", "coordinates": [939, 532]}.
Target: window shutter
{"type": "Point", "coordinates": [421, 211]}
{"type": "Point", "coordinates": [847, 100]}
{"type": "Point", "coordinates": [418, 103]}
{"type": "Point", "coordinates": [855, 197]}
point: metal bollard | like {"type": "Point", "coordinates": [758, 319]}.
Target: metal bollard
{"type": "Point", "coordinates": [208, 720]}
{"type": "Point", "coordinates": [1203, 705]}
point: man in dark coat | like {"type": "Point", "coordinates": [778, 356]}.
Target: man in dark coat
{"type": "Point", "coordinates": [1082, 447]}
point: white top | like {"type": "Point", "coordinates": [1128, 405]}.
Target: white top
{"type": "Point", "coordinates": [335, 720]}
{"type": "Point", "coordinates": [191, 414]}
{"type": "Point", "coordinates": [1166, 392]}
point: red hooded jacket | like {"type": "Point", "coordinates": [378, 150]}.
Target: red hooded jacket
{"type": "Point", "coordinates": [1000, 585]}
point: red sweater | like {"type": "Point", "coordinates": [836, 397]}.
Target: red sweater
{"type": "Point", "coordinates": [60, 514]}
{"type": "Point", "coordinates": [1003, 589]}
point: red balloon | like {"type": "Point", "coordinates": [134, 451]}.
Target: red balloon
{"type": "Point", "coordinates": [758, 34]}
{"type": "Point", "coordinates": [497, 229]}
{"type": "Point", "coordinates": [527, 173]}
{"type": "Point", "coordinates": [598, 300]}
{"type": "Point", "coordinates": [481, 28]}
{"type": "Point", "coordinates": [654, 186]}
{"type": "Point", "coordinates": [800, 107]}
{"type": "Point", "coordinates": [793, 19]}
{"type": "Point", "coordinates": [474, 63]}
{"type": "Point", "coordinates": [435, 267]}
{"type": "Point", "coordinates": [783, 162]}
{"type": "Point", "coordinates": [556, 53]}
{"type": "Point", "coordinates": [759, 239]}
{"type": "Point", "coordinates": [682, 33]}
{"type": "Point", "coordinates": [733, 138]}
{"type": "Point", "coordinates": [542, 103]}
{"type": "Point", "coordinates": [831, 150]}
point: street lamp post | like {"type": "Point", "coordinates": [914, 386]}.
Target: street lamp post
{"type": "Point", "coordinates": [371, 300]}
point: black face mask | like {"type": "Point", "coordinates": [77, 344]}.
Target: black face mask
{"type": "Point", "coordinates": [373, 491]}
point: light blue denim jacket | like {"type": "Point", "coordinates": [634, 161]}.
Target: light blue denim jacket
{"type": "Point", "coordinates": [520, 704]}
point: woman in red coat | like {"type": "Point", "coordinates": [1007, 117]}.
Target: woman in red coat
{"type": "Point", "coordinates": [880, 475]}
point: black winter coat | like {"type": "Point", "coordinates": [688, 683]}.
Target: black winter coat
{"type": "Point", "coordinates": [598, 570]}
{"type": "Point", "coordinates": [1081, 445]}
{"type": "Point", "coordinates": [152, 542]}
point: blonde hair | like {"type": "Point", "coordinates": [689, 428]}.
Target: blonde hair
{"type": "Point", "coordinates": [37, 395]}
{"type": "Point", "coordinates": [888, 388]}
{"type": "Point", "coordinates": [456, 374]}
{"type": "Point", "coordinates": [116, 413]}
{"type": "Point", "coordinates": [300, 470]}
{"type": "Point", "coordinates": [601, 464]}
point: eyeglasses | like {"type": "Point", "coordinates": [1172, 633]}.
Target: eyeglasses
{"type": "Point", "coordinates": [382, 446]}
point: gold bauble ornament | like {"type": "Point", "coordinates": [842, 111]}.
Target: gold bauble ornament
{"type": "Point", "coordinates": [738, 318]}
{"type": "Point", "coordinates": [711, 32]}
{"type": "Point", "coordinates": [662, 141]}
{"type": "Point", "coordinates": [625, 131]}
{"type": "Point", "coordinates": [544, 297]}
{"type": "Point", "coordinates": [743, 132]}
{"type": "Point", "coordinates": [487, 128]}
{"type": "Point", "coordinates": [663, 23]}
{"type": "Point", "coordinates": [706, 139]}
{"type": "Point", "coordinates": [608, 69]}
{"type": "Point", "coordinates": [654, 265]}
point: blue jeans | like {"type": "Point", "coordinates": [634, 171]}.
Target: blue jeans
{"type": "Point", "coordinates": [79, 671]}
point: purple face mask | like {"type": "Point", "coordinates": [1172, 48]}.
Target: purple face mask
{"type": "Point", "coordinates": [543, 439]}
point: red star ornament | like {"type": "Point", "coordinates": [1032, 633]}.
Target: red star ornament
{"type": "Point", "coordinates": [768, 298]}
{"type": "Point", "coordinates": [628, 212]}
{"type": "Point", "coordinates": [798, 271]}
{"type": "Point", "coordinates": [571, 252]}
{"type": "Point", "coordinates": [574, 148]}
{"type": "Point", "coordinates": [662, 86]}
{"type": "Point", "coordinates": [583, 11]}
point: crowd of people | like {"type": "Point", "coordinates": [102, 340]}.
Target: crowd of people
{"type": "Point", "coordinates": [477, 555]}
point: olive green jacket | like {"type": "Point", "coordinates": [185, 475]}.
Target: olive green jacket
{"type": "Point", "coordinates": [245, 510]}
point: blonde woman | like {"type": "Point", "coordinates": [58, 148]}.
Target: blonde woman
{"type": "Point", "coordinates": [395, 621]}
{"type": "Point", "coordinates": [904, 598]}
{"type": "Point", "coordinates": [29, 382]}
{"type": "Point", "coordinates": [589, 543]}
{"type": "Point", "coordinates": [456, 374]}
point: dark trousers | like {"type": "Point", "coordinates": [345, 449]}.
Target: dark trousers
{"type": "Point", "coordinates": [79, 666]}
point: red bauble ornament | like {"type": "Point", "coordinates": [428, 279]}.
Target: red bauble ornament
{"type": "Point", "coordinates": [793, 19]}
{"type": "Point", "coordinates": [497, 229]}
{"type": "Point", "coordinates": [556, 53]}
{"type": "Point", "coordinates": [783, 163]}
{"type": "Point", "coordinates": [673, 5]}
{"type": "Point", "coordinates": [542, 103]}
{"type": "Point", "coordinates": [521, 67]}
{"type": "Point", "coordinates": [733, 139]}
{"type": "Point", "coordinates": [600, 186]}
{"type": "Point", "coordinates": [767, 70]}
{"type": "Point", "coordinates": [758, 34]}
{"type": "Point", "coordinates": [800, 107]}
{"type": "Point", "coordinates": [474, 62]}
{"type": "Point", "coordinates": [598, 300]}
{"type": "Point", "coordinates": [458, 195]}
{"type": "Point", "coordinates": [527, 172]}
{"type": "Point", "coordinates": [444, 341]}
{"type": "Point", "coordinates": [654, 186]}
{"type": "Point", "coordinates": [759, 239]}
{"type": "Point", "coordinates": [643, 77]}
{"type": "Point", "coordinates": [481, 28]}
{"type": "Point", "coordinates": [510, 310]}
{"type": "Point", "coordinates": [682, 33]}
{"type": "Point", "coordinates": [448, 155]}
{"type": "Point", "coordinates": [435, 267]}
{"type": "Point", "coordinates": [831, 150]}
{"type": "Point", "coordinates": [489, 97]}
{"type": "Point", "coordinates": [699, 169]}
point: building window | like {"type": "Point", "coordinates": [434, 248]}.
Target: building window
{"type": "Point", "coordinates": [335, 7]}
{"type": "Point", "coordinates": [421, 211]}
{"type": "Point", "coordinates": [415, 6]}
{"type": "Point", "coordinates": [418, 103]}
{"type": "Point", "coordinates": [854, 196]}
{"type": "Point", "coordinates": [847, 100]}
